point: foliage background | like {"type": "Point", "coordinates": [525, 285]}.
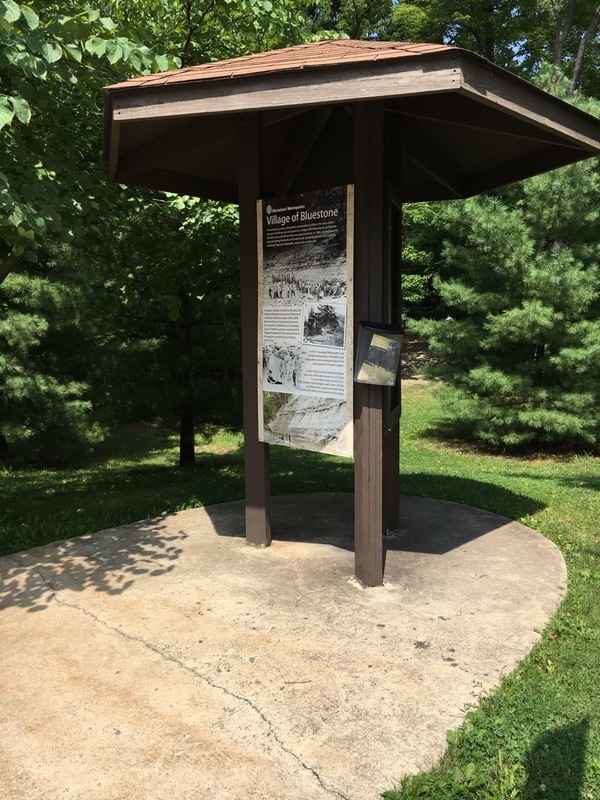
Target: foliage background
{"type": "Point", "coordinates": [122, 304]}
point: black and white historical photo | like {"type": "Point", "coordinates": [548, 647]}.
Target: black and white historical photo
{"type": "Point", "coordinates": [324, 324]}
{"type": "Point", "coordinates": [281, 368]}
{"type": "Point", "coordinates": [303, 283]}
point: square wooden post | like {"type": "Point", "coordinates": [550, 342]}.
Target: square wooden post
{"type": "Point", "coordinates": [369, 304]}
{"type": "Point", "coordinates": [256, 453]}
{"type": "Point", "coordinates": [391, 442]}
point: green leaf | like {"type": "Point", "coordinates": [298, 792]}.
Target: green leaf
{"type": "Point", "coordinates": [74, 51]}
{"type": "Point", "coordinates": [30, 17]}
{"type": "Point", "coordinates": [135, 61]}
{"type": "Point", "coordinates": [107, 23]}
{"type": "Point", "coordinates": [39, 223]}
{"type": "Point", "coordinates": [96, 45]}
{"type": "Point", "coordinates": [160, 63]}
{"type": "Point", "coordinates": [6, 112]}
{"type": "Point", "coordinates": [146, 55]}
{"type": "Point", "coordinates": [9, 10]}
{"type": "Point", "coordinates": [16, 217]}
{"type": "Point", "coordinates": [113, 52]}
{"type": "Point", "coordinates": [21, 109]}
{"type": "Point", "coordinates": [52, 52]}
{"type": "Point", "coordinates": [39, 68]}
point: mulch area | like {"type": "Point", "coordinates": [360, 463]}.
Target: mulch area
{"type": "Point", "coordinates": [415, 356]}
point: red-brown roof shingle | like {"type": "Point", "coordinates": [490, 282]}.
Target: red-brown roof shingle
{"type": "Point", "coordinates": [327, 53]}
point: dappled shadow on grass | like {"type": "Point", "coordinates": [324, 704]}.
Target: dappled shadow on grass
{"type": "Point", "coordinates": [149, 442]}
{"type": "Point", "coordinates": [108, 561]}
{"type": "Point", "coordinates": [65, 504]}
{"type": "Point", "coordinates": [555, 764]}
{"type": "Point", "coordinates": [45, 508]}
{"type": "Point", "coordinates": [296, 471]}
{"type": "Point", "coordinates": [134, 443]}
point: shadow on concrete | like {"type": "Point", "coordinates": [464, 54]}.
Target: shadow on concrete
{"type": "Point", "coordinates": [108, 561]}
{"type": "Point", "coordinates": [426, 525]}
{"type": "Point", "coordinates": [555, 765]}
{"type": "Point", "coordinates": [437, 527]}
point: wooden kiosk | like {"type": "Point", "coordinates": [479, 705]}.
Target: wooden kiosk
{"type": "Point", "coordinates": [399, 122]}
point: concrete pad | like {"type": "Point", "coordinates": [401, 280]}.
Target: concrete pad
{"type": "Point", "coordinates": [166, 660]}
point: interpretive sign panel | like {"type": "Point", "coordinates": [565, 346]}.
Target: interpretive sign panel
{"type": "Point", "coordinates": [305, 320]}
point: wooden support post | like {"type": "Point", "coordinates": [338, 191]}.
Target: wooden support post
{"type": "Point", "coordinates": [391, 442]}
{"type": "Point", "coordinates": [256, 454]}
{"type": "Point", "coordinates": [369, 304]}
{"type": "Point", "coordinates": [391, 480]}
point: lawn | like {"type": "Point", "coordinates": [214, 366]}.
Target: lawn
{"type": "Point", "coordinates": [538, 736]}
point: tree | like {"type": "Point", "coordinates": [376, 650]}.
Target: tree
{"type": "Point", "coordinates": [575, 24]}
{"type": "Point", "coordinates": [496, 29]}
{"type": "Point", "coordinates": [520, 36]}
{"type": "Point", "coordinates": [522, 345]}
{"type": "Point", "coordinates": [207, 30]}
{"type": "Point", "coordinates": [47, 341]}
{"type": "Point", "coordinates": [178, 317]}
{"type": "Point", "coordinates": [422, 232]}
{"type": "Point", "coordinates": [184, 290]}
{"type": "Point", "coordinates": [357, 19]}
{"type": "Point", "coordinates": [54, 59]}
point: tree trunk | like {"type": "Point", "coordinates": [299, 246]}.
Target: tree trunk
{"type": "Point", "coordinates": [187, 453]}
{"type": "Point", "coordinates": [540, 353]}
{"type": "Point", "coordinates": [7, 267]}
{"type": "Point", "coordinates": [4, 451]}
{"type": "Point", "coordinates": [562, 28]}
{"type": "Point", "coordinates": [583, 44]}
{"type": "Point", "coordinates": [489, 33]}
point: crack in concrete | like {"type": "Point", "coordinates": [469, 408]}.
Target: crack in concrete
{"type": "Point", "coordinates": [167, 657]}
{"type": "Point", "coordinates": [36, 571]}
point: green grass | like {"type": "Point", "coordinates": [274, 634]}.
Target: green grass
{"type": "Point", "coordinates": [135, 477]}
{"type": "Point", "coordinates": [538, 736]}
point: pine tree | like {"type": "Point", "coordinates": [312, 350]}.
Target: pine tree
{"type": "Point", "coordinates": [522, 342]}
{"type": "Point", "coordinates": [46, 346]}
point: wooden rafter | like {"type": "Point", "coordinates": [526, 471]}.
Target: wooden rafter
{"type": "Point", "coordinates": [181, 183]}
{"type": "Point", "coordinates": [422, 152]}
{"type": "Point", "coordinates": [519, 168]}
{"type": "Point", "coordinates": [299, 150]}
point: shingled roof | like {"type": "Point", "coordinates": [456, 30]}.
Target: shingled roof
{"type": "Point", "coordinates": [316, 55]}
{"type": "Point", "coordinates": [457, 125]}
